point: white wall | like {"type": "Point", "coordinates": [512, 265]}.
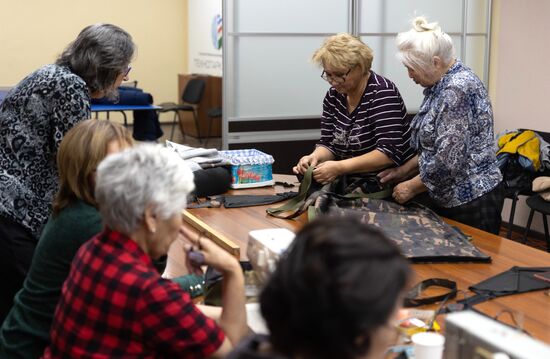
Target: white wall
{"type": "Point", "coordinates": [520, 74]}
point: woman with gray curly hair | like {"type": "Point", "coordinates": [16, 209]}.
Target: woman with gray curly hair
{"type": "Point", "coordinates": [452, 132]}
{"type": "Point", "coordinates": [34, 117]}
{"type": "Point", "coordinates": [113, 284]}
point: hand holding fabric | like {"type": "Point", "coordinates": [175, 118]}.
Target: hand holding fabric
{"type": "Point", "coordinates": [327, 171]}
{"type": "Point", "coordinates": [304, 163]}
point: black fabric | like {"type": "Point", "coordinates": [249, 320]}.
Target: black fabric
{"type": "Point", "coordinates": [513, 281]}
{"type": "Point", "coordinates": [146, 126]}
{"type": "Point", "coordinates": [212, 181]}
{"type": "Point", "coordinates": [127, 96]}
{"type": "Point", "coordinates": [17, 246]}
{"type": "Point", "coordinates": [414, 299]}
{"type": "Point", "coordinates": [239, 201]}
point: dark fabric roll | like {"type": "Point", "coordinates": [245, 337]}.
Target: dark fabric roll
{"type": "Point", "coordinates": [146, 126]}
{"type": "Point", "coordinates": [212, 181]}
{"type": "Point", "coordinates": [127, 96]}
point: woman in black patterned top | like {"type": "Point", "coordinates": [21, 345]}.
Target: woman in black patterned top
{"type": "Point", "coordinates": [363, 127]}
{"type": "Point", "coordinates": [34, 117]}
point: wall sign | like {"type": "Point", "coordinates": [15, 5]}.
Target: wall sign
{"type": "Point", "coordinates": [205, 27]}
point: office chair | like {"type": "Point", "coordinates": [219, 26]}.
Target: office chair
{"type": "Point", "coordinates": [537, 204]}
{"type": "Point", "coordinates": [212, 113]}
{"type": "Point", "coordinates": [191, 96]}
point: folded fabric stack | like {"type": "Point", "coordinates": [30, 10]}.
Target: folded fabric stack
{"type": "Point", "coordinates": [198, 158]}
{"type": "Point", "coordinates": [541, 185]}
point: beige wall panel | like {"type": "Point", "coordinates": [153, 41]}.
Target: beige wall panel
{"type": "Point", "coordinates": [34, 32]}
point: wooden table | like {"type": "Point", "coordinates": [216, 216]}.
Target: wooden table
{"type": "Point", "coordinates": [232, 226]}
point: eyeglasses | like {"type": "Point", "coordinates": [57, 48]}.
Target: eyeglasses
{"type": "Point", "coordinates": [335, 78]}
{"type": "Point", "coordinates": [127, 71]}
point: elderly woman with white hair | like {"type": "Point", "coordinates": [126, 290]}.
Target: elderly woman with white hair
{"type": "Point", "coordinates": [114, 303]}
{"type": "Point", "coordinates": [452, 132]}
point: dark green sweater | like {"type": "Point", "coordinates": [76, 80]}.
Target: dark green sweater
{"type": "Point", "coordinates": [25, 332]}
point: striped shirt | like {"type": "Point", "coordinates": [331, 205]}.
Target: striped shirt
{"type": "Point", "coordinates": [377, 123]}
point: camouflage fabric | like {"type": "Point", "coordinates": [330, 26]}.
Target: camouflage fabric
{"type": "Point", "coordinates": [420, 233]}
{"type": "Point", "coordinates": [349, 186]}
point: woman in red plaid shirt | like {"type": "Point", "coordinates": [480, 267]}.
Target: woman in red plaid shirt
{"type": "Point", "coordinates": [114, 303]}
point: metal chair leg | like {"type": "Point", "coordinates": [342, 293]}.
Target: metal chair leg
{"type": "Point", "coordinates": [173, 126]}
{"type": "Point", "coordinates": [528, 227]}
{"type": "Point", "coordinates": [196, 116]}
{"type": "Point", "coordinates": [512, 212]}
{"type": "Point", "coordinates": [546, 235]}
{"type": "Point", "coordinates": [181, 126]}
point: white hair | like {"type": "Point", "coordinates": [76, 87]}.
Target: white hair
{"type": "Point", "coordinates": [145, 176]}
{"type": "Point", "coordinates": [419, 45]}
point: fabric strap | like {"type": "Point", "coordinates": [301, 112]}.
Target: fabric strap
{"type": "Point", "coordinates": [295, 203]}
{"type": "Point", "coordinates": [294, 207]}
{"type": "Point", "coordinates": [413, 296]}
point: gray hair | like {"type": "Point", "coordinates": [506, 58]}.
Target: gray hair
{"type": "Point", "coordinates": [145, 176]}
{"type": "Point", "coordinates": [419, 45]}
{"type": "Point", "coordinates": [99, 54]}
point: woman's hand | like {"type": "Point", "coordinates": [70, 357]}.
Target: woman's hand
{"type": "Point", "coordinates": [404, 192]}
{"type": "Point", "coordinates": [392, 175]}
{"type": "Point", "coordinates": [327, 171]}
{"type": "Point", "coordinates": [202, 251]}
{"type": "Point", "coordinates": [304, 163]}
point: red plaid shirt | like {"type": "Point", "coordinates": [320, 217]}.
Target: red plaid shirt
{"type": "Point", "coordinates": [115, 304]}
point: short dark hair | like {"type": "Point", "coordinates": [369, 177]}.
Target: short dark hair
{"type": "Point", "coordinates": [339, 281]}
{"type": "Point", "coordinates": [99, 54]}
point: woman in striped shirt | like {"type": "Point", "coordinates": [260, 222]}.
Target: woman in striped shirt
{"type": "Point", "coordinates": [364, 126]}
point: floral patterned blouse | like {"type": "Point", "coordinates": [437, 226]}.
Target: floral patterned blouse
{"type": "Point", "coordinates": [453, 133]}
{"type": "Point", "coordinates": [34, 117]}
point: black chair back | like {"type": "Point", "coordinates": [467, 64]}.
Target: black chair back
{"type": "Point", "coordinates": [193, 91]}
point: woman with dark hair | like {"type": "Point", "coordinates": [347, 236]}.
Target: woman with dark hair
{"type": "Point", "coordinates": [334, 294]}
{"type": "Point", "coordinates": [34, 117]}
{"type": "Point", "coordinates": [75, 219]}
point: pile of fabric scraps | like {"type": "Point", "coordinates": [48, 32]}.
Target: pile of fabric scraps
{"type": "Point", "coordinates": [198, 158]}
